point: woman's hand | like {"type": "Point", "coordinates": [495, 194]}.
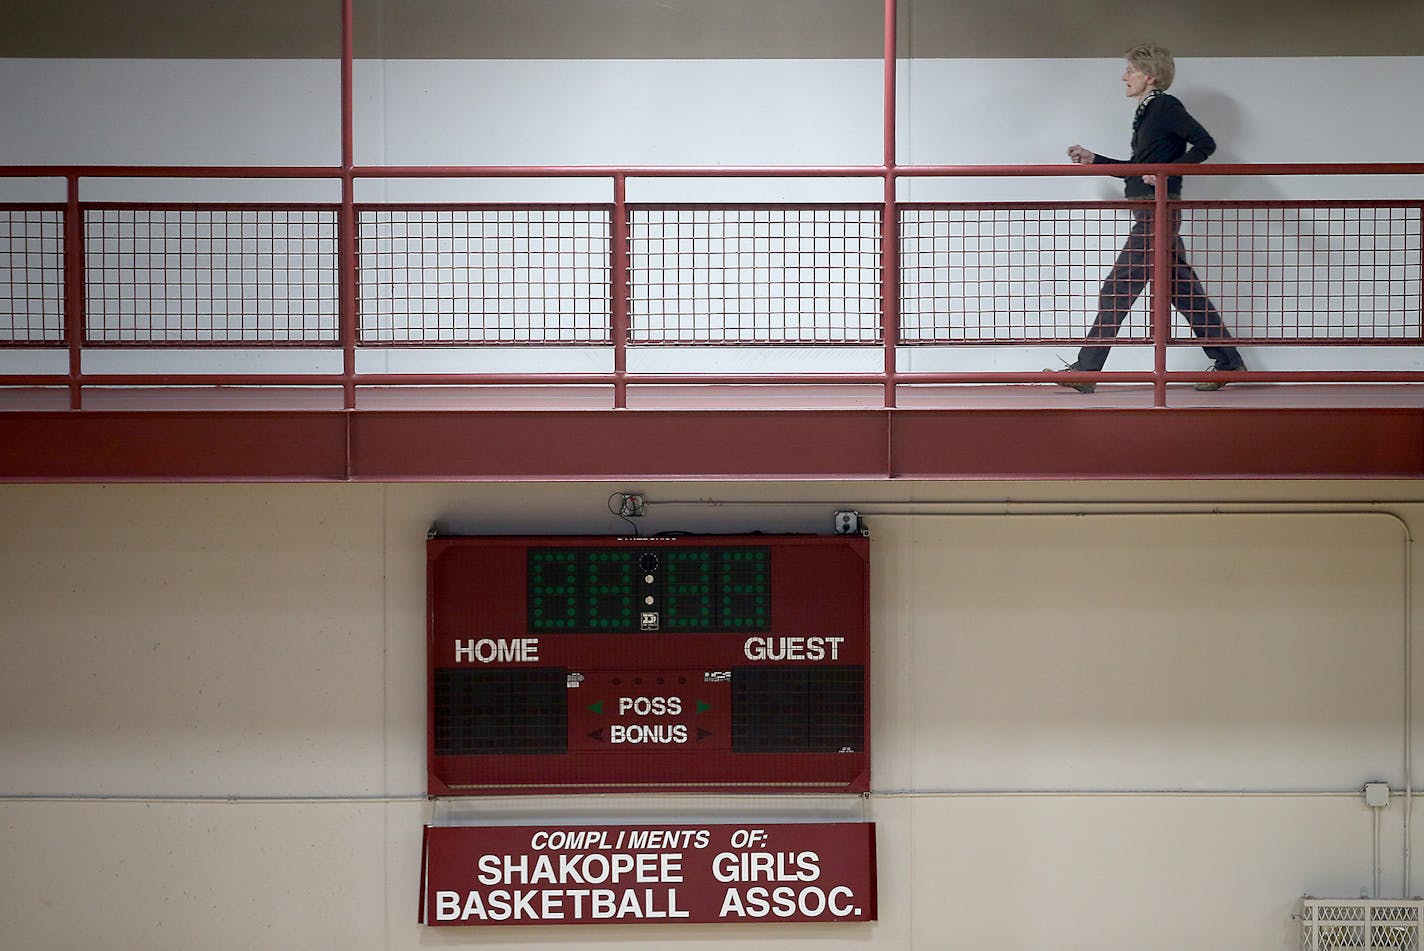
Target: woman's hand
{"type": "Point", "coordinates": [1079, 155]}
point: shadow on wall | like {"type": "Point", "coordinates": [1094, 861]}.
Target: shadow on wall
{"type": "Point", "coordinates": [1312, 273]}
{"type": "Point", "coordinates": [1224, 118]}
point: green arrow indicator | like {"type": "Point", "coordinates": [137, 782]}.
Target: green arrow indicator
{"type": "Point", "coordinates": [703, 706]}
{"type": "Point", "coordinates": [596, 707]}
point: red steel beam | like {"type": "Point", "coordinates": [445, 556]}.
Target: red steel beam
{"type": "Point", "coordinates": [580, 445]}
{"type": "Point", "coordinates": [105, 446]}
{"type": "Point", "coordinates": [1215, 443]}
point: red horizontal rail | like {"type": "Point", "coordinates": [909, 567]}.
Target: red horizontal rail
{"type": "Point", "coordinates": [1126, 169]}
{"type": "Point", "coordinates": [361, 206]}
{"type": "Point", "coordinates": [628, 171]}
{"type": "Point", "coordinates": [694, 379]}
{"type": "Point", "coordinates": [169, 171]}
{"type": "Point", "coordinates": [1121, 203]}
{"type": "Point", "coordinates": [208, 206]}
{"type": "Point", "coordinates": [707, 171]}
{"type": "Point", "coordinates": [754, 206]}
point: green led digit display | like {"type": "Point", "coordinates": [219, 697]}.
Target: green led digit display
{"type": "Point", "coordinates": [623, 590]}
{"type": "Point", "coordinates": [689, 603]}
{"type": "Point", "coordinates": [582, 590]}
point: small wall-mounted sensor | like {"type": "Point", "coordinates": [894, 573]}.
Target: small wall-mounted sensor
{"type": "Point", "coordinates": [847, 522]}
{"type": "Point", "coordinates": [1376, 795]}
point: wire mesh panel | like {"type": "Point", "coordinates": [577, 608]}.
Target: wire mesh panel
{"type": "Point", "coordinates": [1011, 273]}
{"type": "Point", "coordinates": [485, 275]}
{"type": "Point", "coordinates": [1338, 924]}
{"type": "Point", "coordinates": [250, 276]}
{"type": "Point", "coordinates": [1315, 273]}
{"type": "Point", "coordinates": [31, 275]}
{"type": "Point", "coordinates": [755, 275]}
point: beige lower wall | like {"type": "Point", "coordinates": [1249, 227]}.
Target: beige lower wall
{"type": "Point", "coordinates": [994, 873]}
{"type": "Point", "coordinates": [1103, 717]}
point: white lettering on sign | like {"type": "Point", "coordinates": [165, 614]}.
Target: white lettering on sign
{"type": "Point", "coordinates": [665, 838]}
{"type": "Point", "coordinates": [592, 868]}
{"type": "Point", "coordinates": [524, 892]}
{"type": "Point", "coordinates": [570, 839]}
{"type": "Point", "coordinates": [746, 838]}
{"type": "Point", "coordinates": [518, 904]}
{"type": "Point", "coordinates": [785, 902]}
{"type": "Point", "coordinates": [497, 650]}
{"type": "Point", "coordinates": [554, 840]}
{"type": "Point", "coordinates": [647, 733]}
{"type": "Point", "coordinates": [766, 867]}
{"type": "Point", "coordinates": [650, 706]}
{"type": "Point", "coordinates": [793, 648]}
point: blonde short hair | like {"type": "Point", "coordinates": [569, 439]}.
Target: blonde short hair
{"type": "Point", "coordinates": [1155, 61]}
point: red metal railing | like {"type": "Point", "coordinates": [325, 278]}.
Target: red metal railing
{"type": "Point", "coordinates": [347, 277]}
{"type": "Point", "coordinates": [88, 276]}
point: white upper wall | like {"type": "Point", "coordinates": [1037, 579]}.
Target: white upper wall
{"type": "Point", "coordinates": [1026, 112]}
{"type": "Point", "coordinates": [687, 112]}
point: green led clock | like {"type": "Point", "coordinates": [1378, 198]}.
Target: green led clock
{"type": "Point", "coordinates": [611, 591]}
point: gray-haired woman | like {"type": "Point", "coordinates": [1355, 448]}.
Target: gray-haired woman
{"type": "Point", "coordinates": [1163, 132]}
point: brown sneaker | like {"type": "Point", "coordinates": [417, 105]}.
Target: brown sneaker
{"type": "Point", "coordinates": [1072, 368]}
{"type": "Point", "coordinates": [1210, 386]}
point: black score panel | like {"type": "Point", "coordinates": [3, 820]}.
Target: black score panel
{"type": "Point", "coordinates": [709, 663]}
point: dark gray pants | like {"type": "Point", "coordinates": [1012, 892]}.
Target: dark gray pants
{"type": "Point", "coordinates": [1131, 273]}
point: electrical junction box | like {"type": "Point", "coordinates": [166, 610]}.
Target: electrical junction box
{"type": "Point", "coordinates": [709, 663]}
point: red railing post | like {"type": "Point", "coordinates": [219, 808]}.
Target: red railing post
{"type": "Point", "coordinates": [620, 289]}
{"type": "Point", "coordinates": [74, 290]}
{"type": "Point", "coordinates": [347, 306]}
{"type": "Point", "coordinates": [346, 227]}
{"type": "Point", "coordinates": [1162, 236]}
{"type": "Point", "coordinates": [890, 285]}
{"type": "Point", "coordinates": [890, 219]}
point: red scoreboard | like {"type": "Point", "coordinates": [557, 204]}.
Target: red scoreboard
{"type": "Point", "coordinates": [706, 663]}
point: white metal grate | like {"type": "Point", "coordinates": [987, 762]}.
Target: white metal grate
{"type": "Point", "coordinates": [1367, 924]}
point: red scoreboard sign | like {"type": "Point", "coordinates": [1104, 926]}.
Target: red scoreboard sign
{"type": "Point", "coordinates": [712, 663]}
{"type": "Point", "coordinates": [533, 875]}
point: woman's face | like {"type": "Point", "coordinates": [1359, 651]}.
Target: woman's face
{"type": "Point", "coordinates": [1137, 82]}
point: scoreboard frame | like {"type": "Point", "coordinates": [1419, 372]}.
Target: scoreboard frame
{"type": "Point", "coordinates": [715, 663]}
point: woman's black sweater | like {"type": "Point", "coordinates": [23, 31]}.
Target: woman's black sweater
{"type": "Point", "coordinates": [1162, 131]}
